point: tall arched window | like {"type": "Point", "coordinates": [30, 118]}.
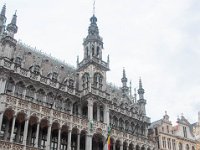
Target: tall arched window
{"type": "Point", "coordinates": [85, 80]}
{"type": "Point", "coordinates": [19, 89]}
{"type": "Point", "coordinates": [98, 81]}
{"type": "Point", "coordinates": [40, 95]}
{"type": "Point", "coordinates": [10, 85]}
{"type": "Point", "coordinates": [30, 92]}
{"type": "Point", "coordinates": [187, 147]}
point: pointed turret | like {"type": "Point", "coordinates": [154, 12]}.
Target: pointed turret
{"type": "Point", "coordinates": [12, 27]}
{"type": "Point", "coordinates": [2, 19]}
{"type": "Point", "coordinates": [124, 83]}
{"type": "Point", "coordinates": [141, 90]}
{"type": "Point", "coordinates": [141, 100]}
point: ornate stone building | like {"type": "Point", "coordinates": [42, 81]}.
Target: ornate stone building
{"type": "Point", "coordinates": [46, 104]}
{"type": "Point", "coordinates": [178, 137]}
{"type": "Point", "coordinates": [196, 131]}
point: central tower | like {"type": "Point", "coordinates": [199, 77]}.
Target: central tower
{"type": "Point", "coordinates": [92, 69]}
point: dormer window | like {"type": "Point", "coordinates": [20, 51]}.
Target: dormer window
{"type": "Point", "coordinates": [36, 69]}
{"type": "Point", "coordinates": [18, 61]}
{"type": "Point", "coordinates": [54, 76]}
{"type": "Point", "coordinates": [71, 83]}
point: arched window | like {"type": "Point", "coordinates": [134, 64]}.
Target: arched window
{"type": "Point", "coordinates": [98, 51]}
{"type": "Point", "coordinates": [92, 50]}
{"type": "Point", "coordinates": [132, 127]}
{"type": "Point", "coordinates": [30, 92]}
{"type": "Point", "coordinates": [35, 69]}
{"type": "Point", "coordinates": [50, 98]}
{"type": "Point", "coordinates": [121, 124]}
{"type": "Point", "coordinates": [71, 83]}
{"type": "Point", "coordinates": [85, 80]}
{"type": "Point", "coordinates": [115, 121]}
{"type": "Point", "coordinates": [87, 52]}
{"type": "Point", "coordinates": [10, 85]}
{"type": "Point", "coordinates": [126, 125]}
{"type": "Point", "coordinates": [101, 114]}
{"type": "Point", "coordinates": [19, 89]}
{"type": "Point", "coordinates": [98, 81]}
{"type": "Point", "coordinates": [18, 61]}
{"type": "Point", "coordinates": [59, 102]}
{"type": "Point", "coordinates": [40, 95]}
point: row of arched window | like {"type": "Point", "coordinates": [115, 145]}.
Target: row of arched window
{"type": "Point", "coordinates": [168, 143]}
{"type": "Point", "coordinates": [132, 127]}
{"type": "Point", "coordinates": [97, 81]}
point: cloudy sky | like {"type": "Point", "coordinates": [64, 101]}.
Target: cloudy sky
{"type": "Point", "coordinates": [158, 40]}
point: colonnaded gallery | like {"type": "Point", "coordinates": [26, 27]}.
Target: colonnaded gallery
{"type": "Point", "coordinates": [46, 104]}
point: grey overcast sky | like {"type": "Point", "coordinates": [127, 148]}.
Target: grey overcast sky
{"type": "Point", "coordinates": [158, 40]}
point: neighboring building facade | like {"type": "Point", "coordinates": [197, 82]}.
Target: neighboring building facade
{"type": "Point", "coordinates": [46, 104]}
{"type": "Point", "coordinates": [168, 137]}
{"type": "Point", "coordinates": [196, 131]}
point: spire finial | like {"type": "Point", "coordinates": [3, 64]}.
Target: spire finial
{"type": "Point", "coordinates": [124, 73]}
{"type": "Point", "coordinates": [94, 7]}
{"type": "Point", "coordinates": [140, 83]}
{"type": "Point", "coordinates": [130, 88]}
{"type": "Point", "coordinates": [3, 10]}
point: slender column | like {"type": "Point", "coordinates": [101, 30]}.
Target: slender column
{"type": "Point", "coordinates": [25, 131]}
{"type": "Point", "coordinates": [12, 130]}
{"type": "Point", "coordinates": [48, 137]}
{"type": "Point", "coordinates": [90, 110]}
{"type": "Point", "coordinates": [69, 140]}
{"type": "Point", "coordinates": [13, 90]}
{"type": "Point", "coordinates": [105, 146]}
{"type": "Point", "coordinates": [1, 119]}
{"type": "Point", "coordinates": [24, 94]}
{"type": "Point", "coordinates": [2, 85]}
{"type": "Point", "coordinates": [88, 142]}
{"type": "Point", "coordinates": [78, 141]}
{"type": "Point", "coordinates": [106, 115]}
{"type": "Point", "coordinates": [59, 135]}
{"type": "Point", "coordinates": [113, 146]}
{"type": "Point", "coordinates": [37, 134]}
{"type": "Point", "coordinates": [98, 113]}
{"type": "Point", "coordinates": [121, 147]}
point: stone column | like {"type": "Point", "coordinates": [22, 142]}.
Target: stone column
{"type": "Point", "coordinates": [105, 146]}
{"type": "Point", "coordinates": [25, 131]}
{"type": "Point", "coordinates": [37, 134]}
{"type": "Point", "coordinates": [106, 115]}
{"type": "Point", "coordinates": [88, 145]}
{"type": "Point", "coordinates": [90, 110]}
{"type": "Point", "coordinates": [12, 130]}
{"type": "Point", "coordinates": [98, 113]}
{"type": "Point", "coordinates": [69, 140]}
{"type": "Point", "coordinates": [48, 137]}
{"type": "Point", "coordinates": [59, 135]}
{"type": "Point", "coordinates": [78, 141]}
{"type": "Point", "coordinates": [2, 85]}
{"type": "Point", "coordinates": [113, 146]}
{"type": "Point", "coordinates": [1, 120]}
{"type": "Point", "coordinates": [24, 94]}
{"type": "Point", "coordinates": [121, 147]}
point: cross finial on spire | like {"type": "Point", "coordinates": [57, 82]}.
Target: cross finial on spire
{"type": "Point", "coordinates": [94, 7]}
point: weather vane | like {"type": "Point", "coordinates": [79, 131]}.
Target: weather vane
{"type": "Point", "coordinates": [94, 7]}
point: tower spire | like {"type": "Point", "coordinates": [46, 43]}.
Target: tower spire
{"type": "Point", "coordinates": [141, 90]}
{"type": "Point", "coordinates": [2, 19]}
{"type": "Point", "coordinates": [124, 82]}
{"type": "Point", "coordinates": [12, 27]}
{"type": "Point", "coordinates": [3, 10]}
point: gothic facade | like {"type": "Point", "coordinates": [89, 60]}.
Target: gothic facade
{"type": "Point", "coordinates": [169, 137]}
{"type": "Point", "coordinates": [46, 104]}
